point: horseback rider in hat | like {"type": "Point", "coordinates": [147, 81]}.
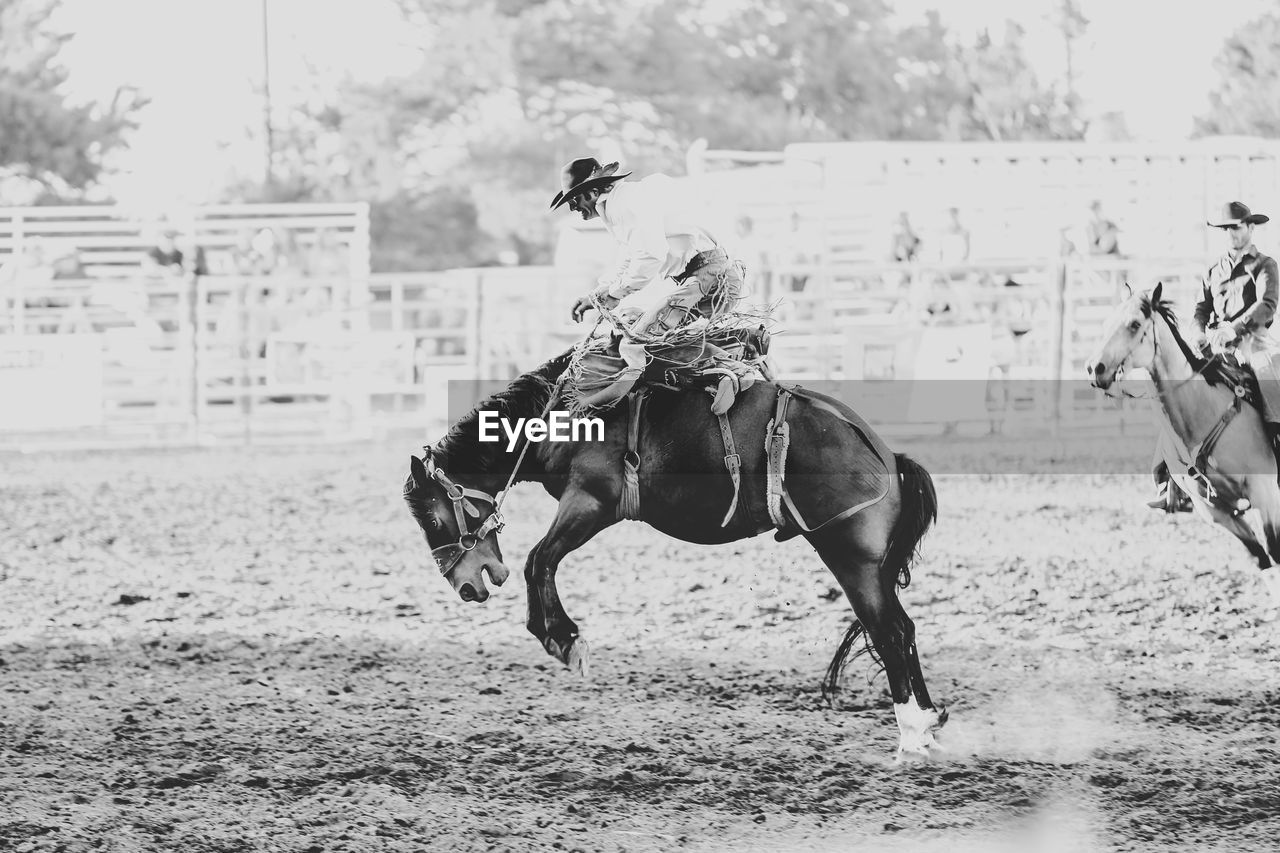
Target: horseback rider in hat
{"type": "Point", "coordinates": [663, 237]}
{"type": "Point", "coordinates": [1237, 303]}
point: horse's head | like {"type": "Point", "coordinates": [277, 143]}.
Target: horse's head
{"type": "Point", "coordinates": [1128, 339]}
{"type": "Point", "coordinates": [461, 526]}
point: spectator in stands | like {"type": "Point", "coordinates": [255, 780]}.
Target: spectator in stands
{"type": "Point", "coordinates": [66, 263]}
{"type": "Point", "coordinates": [1104, 236]}
{"type": "Point", "coordinates": [954, 243]}
{"type": "Point", "coordinates": [941, 306]}
{"type": "Point", "coordinates": [278, 249]}
{"type": "Point", "coordinates": [27, 266]}
{"type": "Point", "coordinates": [267, 247]}
{"type": "Point", "coordinates": [905, 243]}
{"type": "Point", "coordinates": [193, 257]}
{"type": "Point", "coordinates": [1066, 245]}
{"type": "Point", "coordinates": [165, 257]}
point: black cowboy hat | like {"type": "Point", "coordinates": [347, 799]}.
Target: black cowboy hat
{"type": "Point", "coordinates": [583, 175]}
{"type": "Point", "coordinates": [1235, 213]}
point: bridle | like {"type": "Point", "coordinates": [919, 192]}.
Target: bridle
{"type": "Point", "coordinates": [448, 556]}
{"type": "Point", "coordinates": [1155, 353]}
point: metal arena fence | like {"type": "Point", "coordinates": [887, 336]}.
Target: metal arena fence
{"type": "Point", "coordinates": [217, 359]}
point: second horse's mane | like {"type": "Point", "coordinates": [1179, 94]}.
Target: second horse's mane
{"type": "Point", "coordinates": [1215, 369]}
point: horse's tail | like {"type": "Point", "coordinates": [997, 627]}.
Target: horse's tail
{"type": "Point", "coordinates": [919, 510]}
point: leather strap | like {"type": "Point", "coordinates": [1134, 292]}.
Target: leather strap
{"type": "Point", "coordinates": [1199, 462]}
{"type": "Point", "coordinates": [777, 440]}
{"type": "Point", "coordinates": [629, 500]}
{"type": "Point", "coordinates": [776, 444]}
{"type": "Point", "coordinates": [733, 462]}
{"type": "Point", "coordinates": [447, 556]}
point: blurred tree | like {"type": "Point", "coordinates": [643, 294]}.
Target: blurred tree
{"type": "Point", "coordinates": [1002, 100]}
{"type": "Point", "coordinates": [1072, 24]}
{"type": "Point", "coordinates": [43, 137]}
{"type": "Point", "coordinates": [838, 70]}
{"type": "Point", "coordinates": [770, 73]}
{"type": "Point", "coordinates": [508, 91]}
{"type": "Point", "coordinates": [438, 229]}
{"type": "Point", "coordinates": [1244, 101]}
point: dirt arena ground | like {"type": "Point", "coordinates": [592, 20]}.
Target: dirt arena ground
{"type": "Point", "coordinates": [228, 650]}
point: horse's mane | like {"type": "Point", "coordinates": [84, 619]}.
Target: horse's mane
{"type": "Point", "coordinates": [1215, 369]}
{"type": "Point", "coordinates": [527, 395]}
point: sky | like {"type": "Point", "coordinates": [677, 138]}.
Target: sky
{"type": "Point", "coordinates": [200, 63]}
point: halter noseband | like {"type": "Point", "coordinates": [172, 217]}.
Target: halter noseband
{"type": "Point", "coordinates": [447, 556]}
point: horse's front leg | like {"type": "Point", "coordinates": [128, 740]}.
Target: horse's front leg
{"type": "Point", "coordinates": [579, 517]}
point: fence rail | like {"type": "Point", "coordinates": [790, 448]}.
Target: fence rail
{"type": "Point", "coordinates": [262, 359]}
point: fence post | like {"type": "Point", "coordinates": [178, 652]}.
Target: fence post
{"type": "Point", "coordinates": [1060, 341]}
{"type": "Point", "coordinates": [480, 351]}
{"type": "Point", "coordinates": [191, 294]}
{"type": "Point", "coordinates": [248, 352]}
{"type": "Point", "coordinates": [200, 313]}
{"type": "Point", "coordinates": [19, 298]}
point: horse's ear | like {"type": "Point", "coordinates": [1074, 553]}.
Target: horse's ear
{"type": "Point", "coordinates": [1155, 294]}
{"type": "Point", "coordinates": [419, 471]}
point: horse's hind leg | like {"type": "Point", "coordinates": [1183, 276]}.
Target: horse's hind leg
{"type": "Point", "coordinates": [854, 551]}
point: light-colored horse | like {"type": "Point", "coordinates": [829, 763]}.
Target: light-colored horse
{"type": "Point", "coordinates": [1216, 446]}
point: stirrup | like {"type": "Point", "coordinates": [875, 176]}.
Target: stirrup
{"type": "Point", "coordinates": [725, 395]}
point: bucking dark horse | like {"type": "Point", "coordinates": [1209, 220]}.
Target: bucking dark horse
{"type": "Point", "coordinates": [861, 506]}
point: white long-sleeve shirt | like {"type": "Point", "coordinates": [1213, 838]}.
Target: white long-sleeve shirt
{"type": "Point", "coordinates": [660, 231]}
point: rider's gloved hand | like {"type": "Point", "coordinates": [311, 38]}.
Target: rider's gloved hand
{"type": "Point", "coordinates": [1222, 337]}
{"type": "Point", "coordinates": [600, 296]}
{"type": "Point", "coordinates": [581, 306]}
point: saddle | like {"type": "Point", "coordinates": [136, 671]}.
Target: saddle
{"type": "Point", "coordinates": [676, 361]}
{"type": "Point", "coordinates": [726, 353]}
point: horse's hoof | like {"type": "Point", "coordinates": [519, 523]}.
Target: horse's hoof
{"type": "Point", "coordinates": [579, 658]}
{"type": "Point", "coordinates": [919, 755]}
{"type": "Point", "coordinates": [917, 726]}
